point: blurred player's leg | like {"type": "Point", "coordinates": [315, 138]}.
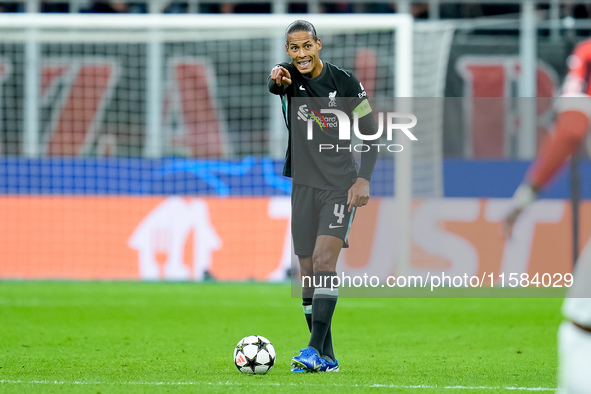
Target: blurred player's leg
{"type": "Point", "coordinates": [577, 305]}
{"type": "Point", "coordinates": [574, 355]}
{"type": "Point", "coordinates": [574, 337]}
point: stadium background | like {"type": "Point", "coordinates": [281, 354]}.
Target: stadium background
{"type": "Point", "coordinates": [127, 260]}
{"type": "Point", "coordinates": [90, 197]}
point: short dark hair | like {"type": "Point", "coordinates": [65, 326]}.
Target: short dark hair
{"type": "Point", "coordinates": [301, 25]}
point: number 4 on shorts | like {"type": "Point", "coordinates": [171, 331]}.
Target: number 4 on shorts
{"type": "Point", "coordinates": [339, 213]}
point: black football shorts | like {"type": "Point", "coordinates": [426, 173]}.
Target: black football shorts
{"type": "Point", "coordinates": [317, 212]}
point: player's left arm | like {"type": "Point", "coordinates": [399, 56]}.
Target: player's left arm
{"type": "Point", "coordinates": [358, 195]}
{"type": "Point", "coordinates": [568, 135]}
{"type": "Point", "coordinates": [569, 132]}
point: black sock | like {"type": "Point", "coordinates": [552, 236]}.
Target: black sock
{"type": "Point", "coordinates": [323, 306]}
{"type": "Point", "coordinates": [307, 294]}
{"type": "Point", "coordinates": [327, 350]}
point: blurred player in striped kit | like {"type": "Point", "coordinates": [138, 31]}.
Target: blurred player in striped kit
{"type": "Point", "coordinates": [570, 130]}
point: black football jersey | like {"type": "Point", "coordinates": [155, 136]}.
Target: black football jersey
{"type": "Point", "coordinates": [334, 88]}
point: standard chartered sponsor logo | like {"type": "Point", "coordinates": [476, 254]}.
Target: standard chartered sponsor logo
{"type": "Point", "coordinates": [388, 123]}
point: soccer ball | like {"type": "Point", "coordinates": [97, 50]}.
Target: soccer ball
{"type": "Point", "coordinates": [254, 355]}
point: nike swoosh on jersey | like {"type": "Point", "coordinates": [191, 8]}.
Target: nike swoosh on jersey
{"type": "Point", "coordinates": [302, 88]}
{"type": "Point", "coordinates": [331, 226]}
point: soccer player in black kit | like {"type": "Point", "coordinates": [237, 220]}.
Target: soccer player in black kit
{"type": "Point", "coordinates": [328, 186]}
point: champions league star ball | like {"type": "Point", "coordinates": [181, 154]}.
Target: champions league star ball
{"type": "Point", "coordinates": [254, 355]}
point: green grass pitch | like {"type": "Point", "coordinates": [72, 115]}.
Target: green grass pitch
{"type": "Point", "coordinates": [179, 337]}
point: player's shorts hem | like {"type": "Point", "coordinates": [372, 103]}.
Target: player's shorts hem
{"type": "Point", "coordinates": [345, 241]}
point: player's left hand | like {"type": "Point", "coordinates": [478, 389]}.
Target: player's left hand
{"type": "Point", "coordinates": [524, 195]}
{"type": "Point", "coordinates": [358, 195]}
{"type": "Point", "coordinates": [509, 222]}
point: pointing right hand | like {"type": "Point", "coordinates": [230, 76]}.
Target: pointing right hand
{"type": "Point", "coordinates": [281, 76]}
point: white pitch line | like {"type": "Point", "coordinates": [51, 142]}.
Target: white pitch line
{"type": "Point", "coordinates": [228, 383]}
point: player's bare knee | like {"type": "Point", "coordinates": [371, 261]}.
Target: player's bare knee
{"type": "Point", "coordinates": [324, 261]}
